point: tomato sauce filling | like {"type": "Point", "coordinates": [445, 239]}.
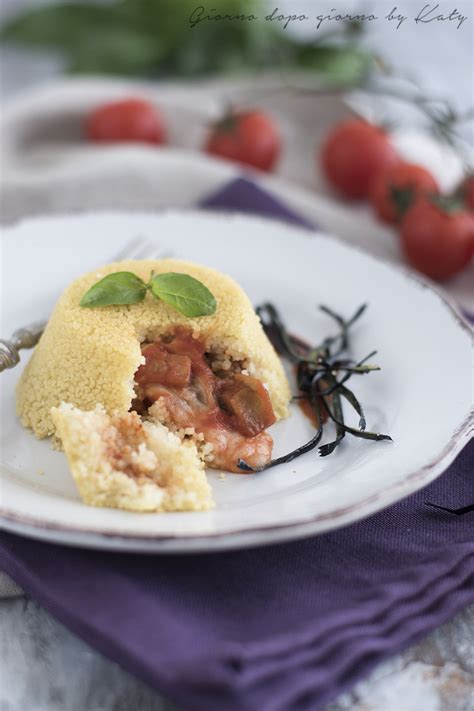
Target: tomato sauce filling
{"type": "Point", "coordinates": [231, 410]}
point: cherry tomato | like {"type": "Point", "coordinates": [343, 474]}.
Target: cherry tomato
{"type": "Point", "coordinates": [127, 120]}
{"type": "Point", "coordinates": [352, 155]}
{"type": "Point", "coordinates": [437, 242]}
{"type": "Point", "coordinates": [466, 191]}
{"type": "Point", "coordinates": [396, 187]}
{"type": "Point", "coordinates": [248, 137]}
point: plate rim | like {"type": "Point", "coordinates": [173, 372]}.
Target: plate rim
{"type": "Point", "coordinates": [25, 524]}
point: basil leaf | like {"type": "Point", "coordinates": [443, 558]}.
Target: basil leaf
{"type": "Point", "coordinates": [60, 25]}
{"type": "Point", "coordinates": [119, 51]}
{"type": "Point", "coordinates": [155, 38]}
{"type": "Point", "coordinates": [115, 289]}
{"type": "Point", "coordinates": [184, 293]}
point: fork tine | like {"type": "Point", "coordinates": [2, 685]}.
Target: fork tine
{"type": "Point", "coordinates": [153, 251]}
{"type": "Point", "coordinates": [132, 248]}
{"type": "Point", "coordinates": [142, 248]}
{"type": "Point", "coordinates": [148, 251]}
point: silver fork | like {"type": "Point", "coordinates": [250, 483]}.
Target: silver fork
{"type": "Point", "coordinates": [28, 337]}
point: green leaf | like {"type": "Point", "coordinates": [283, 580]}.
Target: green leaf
{"type": "Point", "coordinates": [184, 293]}
{"type": "Point", "coordinates": [119, 51]}
{"type": "Point", "coordinates": [339, 65]}
{"type": "Point", "coordinates": [154, 37]}
{"type": "Point", "coordinates": [56, 26]}
{"type": "Point", "coordinates": [448, 203]}
{"type": "Point", "coordinates": [167, 19]}
{"type": "Point", "coordinates": [115, 289]}
{"type": "Point", "coordinates": [402, 198]}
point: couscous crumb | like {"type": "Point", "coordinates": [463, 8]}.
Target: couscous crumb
{"type": "Point", "coordinates": [119, 461]}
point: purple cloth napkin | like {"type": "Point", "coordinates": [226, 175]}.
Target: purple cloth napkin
{"type": "Point", "coordinates": [286, 627]}
{"type": "Point", "coordinates": [244, 196]}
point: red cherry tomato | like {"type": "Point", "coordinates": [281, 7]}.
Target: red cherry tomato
{"type": "Point", "coordinates": [134, 120]}
{"type": "Point", "coordinates": [436, 242]}
{"type": "Point", "coordinates": [396, 187]}
{"type": "Point", "coordinates": [353, 153]}
{"type": "Point", "coordinates": [248, 137]}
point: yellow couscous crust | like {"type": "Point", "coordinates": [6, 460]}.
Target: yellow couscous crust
{"type": "Point", "coordinates": [88, 356]}
{"type": "Point", "coordinates": [121, 462]}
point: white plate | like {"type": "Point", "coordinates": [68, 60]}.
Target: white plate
{"type": "Point", "coordinates": [422, 396]}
